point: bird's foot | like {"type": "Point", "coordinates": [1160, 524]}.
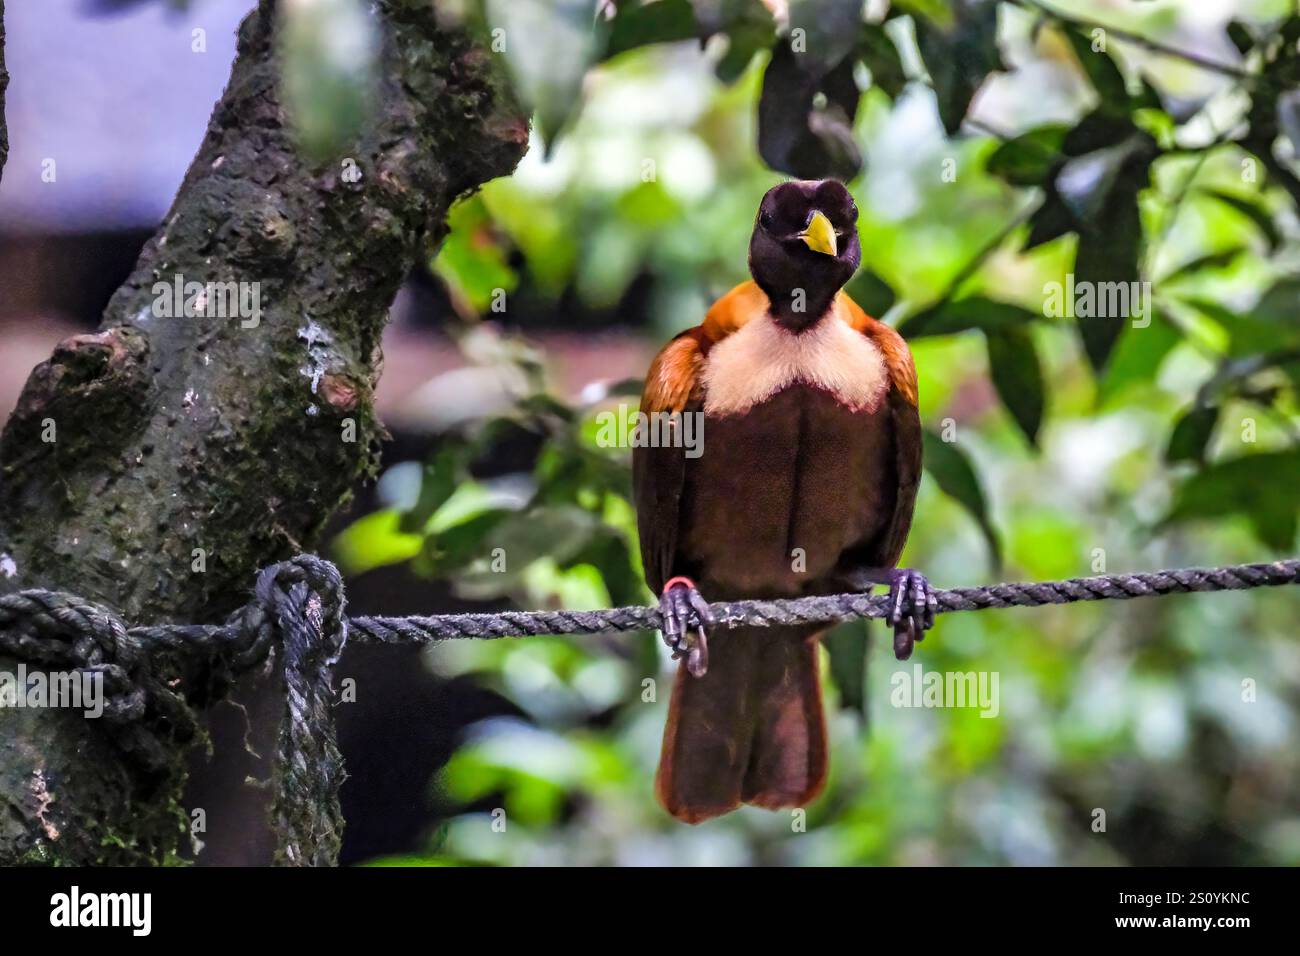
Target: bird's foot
{"type": "Point", "coordinates": [911, 609]}
{"type": "Point", "coordinates": [683, 609]}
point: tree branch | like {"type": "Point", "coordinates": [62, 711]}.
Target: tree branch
{"type": "Point", "coordinates": [1147, 43]}
{"type": "Point", "coordinates": [189, 451]}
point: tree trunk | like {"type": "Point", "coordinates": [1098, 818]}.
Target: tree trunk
{"type": "Point", "coordinates": [187, 452]}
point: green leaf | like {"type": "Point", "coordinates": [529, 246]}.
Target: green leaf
{"type": "Point", "coordinates": [1252, 210]}
{"type": "Point", "coordinates": [871, 292]}
{"type": "Point", "coordinates": [1018, 376]}
{"type": "Point", "coordinates": [1271, 110]}
{"type": "Point", "coordinates": [1280, 307]}
{"type": "Point", "coordinates": [748, 25]}
{"type": "Point", "coordinates": [664, 21]}
{"type": "Point", "coordinates": [327, 53]}
{"type": "Point", "coordinates": [974, 312]}
{"type": "Point", "coordinates": [847, 645]}
{"type": "Point", "coordinates": [878, 51]}
{"type": "Point", "coordinates": [959, 57]}
{"type": "Point", "coordinates": [1138, 357]}
{"type": "Point", "coordinates": [824, 30]}
{"type": "Point", "coordinates": [1218, 312]}
{"type": "Point", "coordinates": [1088, 183]}
{"type": "Point", "coordinates": [558, 532]}
{"type": "Point", "coordinates": [1030, 158]}
{"type": "Point", "coordinates": [1261, 487]}
{"type": "Point", "coordinates": [619, 571]}
{"type": "Point", "coordinates": [1051, 220]}
{"type": "Point", "coordinates": [1149, 113]}
{"type": "Point", "coordinates": [450, 549]}
{"type": "Point", "coordinates": [1100, 266]}
{"type": "Point", "coordinates": [1211, 260]}
{"type": "Point", "coordinates": [800, 132]}
{"type": "Point", "coordinates": [1098, 149]}
{"type": "Point", "coordinates": [438, 481]}
{"type": "Point", "coordinates": [374, 541]}
{"type": "Point", "coordinates": [1241, 37]}
{"type": "Point", "coordinates": [548, 46]}
{"type": "Point", "coordinates": [938, 11]}
{"type": "Point", "coordinates": [1102, 71]}
{"type": "Point", "coordinates": [474, 265]}
{"type": "Point", "coordinates": [1273, 325]}
{"type": "Point", "coordinates": [1192, 433]}
{"type": "Point", "coordinates": [1098, 130]}
{"type": "Point", "coordinates": [950, 467]}
{"type": "Point", "coordinates": [1104, 201]}
{"type": "Point", "coordinates": [1233, 378]}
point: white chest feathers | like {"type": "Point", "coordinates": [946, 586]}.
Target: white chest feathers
{"type": "Point", "coordinates": [758, 361]}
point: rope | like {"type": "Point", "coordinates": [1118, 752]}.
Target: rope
{"type": "Point", "coordinates": [153, 675]}
{"type": "Point", "coordinates": [309, 769]}
{"type": "Point", "coordinates": [826, 609]}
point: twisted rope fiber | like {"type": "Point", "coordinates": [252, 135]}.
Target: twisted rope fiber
{"type": "Point", "coordinates": [144, 715]}
{"type": "Point", "coordinates": [297, 607]}
{"type": "Point", "coordinates": [825, 609]}
{"type": "Point", "coordinates": [309, 769]}
{"type": "Point", "coordinates": [153, 674]}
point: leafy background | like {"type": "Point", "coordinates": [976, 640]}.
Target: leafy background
{"type": "Point", "coordinates": [992, 149]}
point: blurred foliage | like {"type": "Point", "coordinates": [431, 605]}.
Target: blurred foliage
{"type": "Point", "coordinates": [327, 50]}
{"type": "Point", "coordinates": [1001, 154]}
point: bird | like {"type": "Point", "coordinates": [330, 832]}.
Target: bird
{"type": "Point", "coordinates": [804, 483]}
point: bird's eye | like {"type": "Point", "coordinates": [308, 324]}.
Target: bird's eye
{"type": "Point", "coordinates": [765, 219]}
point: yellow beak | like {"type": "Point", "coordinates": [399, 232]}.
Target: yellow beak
{"type": "Point", "coordinates": [820, 235]}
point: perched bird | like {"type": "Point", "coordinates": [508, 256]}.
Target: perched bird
{"type": "Point", "coordinates": [804, 484]}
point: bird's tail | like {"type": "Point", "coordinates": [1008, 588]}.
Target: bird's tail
{"type": "Point", "coordinates": [751, 730]}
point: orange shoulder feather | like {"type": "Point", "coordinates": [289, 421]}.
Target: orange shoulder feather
{"type": "Point", "coordinates": [898, 357]}
{"type": "Point", "coordinates": [673, 379]}
{"type": "Point", "coordinates": [674, 376]}
{"type": "Point", "coordinates": [742, 304]}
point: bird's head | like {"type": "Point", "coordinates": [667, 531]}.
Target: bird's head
{"type": "Point", "coordinates": [804, 248]}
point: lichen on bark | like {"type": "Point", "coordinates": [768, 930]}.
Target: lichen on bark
{"type": "Point", "coordinates": [187, 452]}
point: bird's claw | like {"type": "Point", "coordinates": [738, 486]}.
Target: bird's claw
{"type": "Point", "coordinates": [911, 609]}
{"type": "Point", "coordinates": [684, 610]}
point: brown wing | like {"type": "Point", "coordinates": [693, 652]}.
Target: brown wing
{"type": "Point", "coordinates": [673, 385]}
{"type": "Point", "coordinates": [907, 462]}
{"type": "Point", "coordinates": [905, 419]}
{"type": "Point", "coordinates": [658, 473]}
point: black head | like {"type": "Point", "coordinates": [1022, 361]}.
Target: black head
{"type": "Point", "coordinates": [804, 248]}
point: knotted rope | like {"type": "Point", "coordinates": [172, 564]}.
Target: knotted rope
{"type": "Point", "coordinates": [153, 674]}
{"type": "Point", "coordinates": [297, 609]}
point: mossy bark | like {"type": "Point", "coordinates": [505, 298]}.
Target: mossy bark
{"type": "Point", "coordinates": [187, 452]}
